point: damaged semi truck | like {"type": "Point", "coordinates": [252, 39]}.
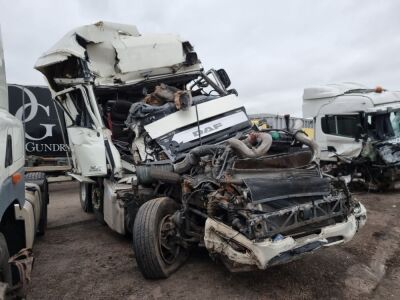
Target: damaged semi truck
{"type": "Point", "coordinates": [166, 151]}
{"type": "Point", "coordinates": [358, 132]}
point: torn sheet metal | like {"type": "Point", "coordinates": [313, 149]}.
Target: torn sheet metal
{"type": "Point", "coordinates": [223, 240]}
{"type": "Point", "coordinates": [116, 53]}
{"type": "Point", "coordinates": [151, 51]}
{"type": "Point", "coordinates": [390, 153]}
{"type": "Point", "coordinates": [347, 150]}
{"type": "Point", "coordinates": [69, 45]}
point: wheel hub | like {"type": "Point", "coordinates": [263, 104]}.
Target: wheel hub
{"type": "Point", "coordinates": [96, 197]}
{"type": "Point", "coordinates": [169, 248]}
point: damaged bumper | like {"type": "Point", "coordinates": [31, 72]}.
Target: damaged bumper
{"type": "Point", "coordinates": [239, 252]}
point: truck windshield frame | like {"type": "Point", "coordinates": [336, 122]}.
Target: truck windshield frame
{"type": "Point", "coordinates": [379, 126]}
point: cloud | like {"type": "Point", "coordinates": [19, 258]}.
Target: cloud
{"type": "Point", "coordinates": [271, 49]}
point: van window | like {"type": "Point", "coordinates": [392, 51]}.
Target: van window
{"type": "Point", "coordinates": [9, 156]}
{"type": "Point", "coordinates": [342, 125]}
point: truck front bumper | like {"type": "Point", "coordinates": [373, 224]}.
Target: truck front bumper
{"type": "Point", "coordinates": [238, 250]}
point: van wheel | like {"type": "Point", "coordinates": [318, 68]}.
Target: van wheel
{"type": "Point", "coordinates": [40, 179]}
{"type": "Point", "coordinates": [97, 201]}
{"type": "Point", "coordinates": [155, 239]}
{"type": "Point", "coordinates": [85, 196]}
{"type": "Point", "coordinates": [5, 268]}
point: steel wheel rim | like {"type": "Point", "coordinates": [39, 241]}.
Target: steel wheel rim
{"type": "Point", "coordinates": [169, 250]}
{"type": "Point", "coordinates": [96, 196]}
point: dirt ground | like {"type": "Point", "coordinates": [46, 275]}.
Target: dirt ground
{"type": "Point", "coordinates": [81, 259]}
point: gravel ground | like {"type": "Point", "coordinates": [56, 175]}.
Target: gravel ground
{"type": "Point", "coordinates": [81, 259]}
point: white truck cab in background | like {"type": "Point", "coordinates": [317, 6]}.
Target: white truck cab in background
{"type": "Point", "coordinates": [23, 201]}
{"type": "Point", "coordinates": [357, 129]}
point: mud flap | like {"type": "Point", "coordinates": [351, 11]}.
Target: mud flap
{"type": "Point", "coordinates": [23, 262]}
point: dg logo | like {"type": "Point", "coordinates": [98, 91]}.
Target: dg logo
{"type": "Point", "coordinates": [32, 103]}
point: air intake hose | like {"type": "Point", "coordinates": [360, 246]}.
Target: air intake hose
{"type": "Point", "coordinates": [304, 139]}
{"type": "Point", "coordinates": [193, 157]}
{"type": "Point", "coordinates": [245, 151]}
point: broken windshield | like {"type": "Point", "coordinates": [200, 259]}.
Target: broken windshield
{"type": "Point", "coordinates": [383, 126]}
{"type": "Point", "coordinates": [395, 121]}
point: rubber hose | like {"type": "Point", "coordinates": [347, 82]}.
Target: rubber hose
{"type": "Point", "coordinates": [245, 151]}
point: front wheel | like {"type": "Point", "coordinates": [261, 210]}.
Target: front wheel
{"type": "Point", "coordinates": [85, 195]}
{"type": "Point", "coordinates": [97, 194]}
{"type": "Point", "coordinates": [155, 239]}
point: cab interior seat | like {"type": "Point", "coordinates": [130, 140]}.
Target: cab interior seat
{"type": "Point", "coordinates": [117, 114]}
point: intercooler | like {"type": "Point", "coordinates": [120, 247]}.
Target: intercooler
{"type": "Point", "coordinates": [288, 201]}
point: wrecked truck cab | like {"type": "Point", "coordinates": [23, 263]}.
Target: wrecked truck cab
{"type": "Point", "coordinates": [357, 129]}
{"type": "Point", "coordinates": [164, 150]}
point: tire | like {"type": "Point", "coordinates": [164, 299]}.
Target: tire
{"type": "Point", "coordinates": [97, 194]}
{"type": "Point", "coordinates": [154, 260]}
{"type": "Point", "coordinates": [40, 179]}
{"type": "Point", "coordinates": [5, 267]}
{"type": "Point", "coordinates": [85, 196]}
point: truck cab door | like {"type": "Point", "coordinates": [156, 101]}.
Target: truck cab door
{"type": "Point", "coordinates": [336, 134]}
{"type": "Point", "coordinates": [86, 140]}
{"type": "Point", "coordinates": [88, 150]}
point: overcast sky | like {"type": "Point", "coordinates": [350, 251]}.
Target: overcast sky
{"type": "Point", "coordinates": [270, 49]}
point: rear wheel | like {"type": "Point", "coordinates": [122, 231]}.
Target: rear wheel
{"type": "Point", "coordinates": [155, 239]}
{"type": "Point", "coordinates": [85, 195]}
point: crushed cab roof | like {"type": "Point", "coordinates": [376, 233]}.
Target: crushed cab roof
{"type": "Point", "coordinates": [118, 53]}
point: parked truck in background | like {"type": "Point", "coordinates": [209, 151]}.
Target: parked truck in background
{"type": "Point", "coordinates": [358, 132]}
{"type": "Point", "coordinates": [46, 145]}
{"type": "Point", "coordinates": [167, 152]}
{"type": "Point", "coordinates": [23, 201]}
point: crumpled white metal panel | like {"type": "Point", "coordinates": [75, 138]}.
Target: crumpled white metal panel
{"type": "Point", "coordinates": [182, 118]}
{"type": "Point", "coordinates": [118, 52]}
{"type": "Point", "coordinates": [88, 150]}
{"type": "Point", "coordinates": [151, 51]}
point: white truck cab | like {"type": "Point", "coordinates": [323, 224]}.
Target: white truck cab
{"type": "Point", "coordinates": [23, 201]}
{"type": "Point", "coordinates": [357, 127]}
